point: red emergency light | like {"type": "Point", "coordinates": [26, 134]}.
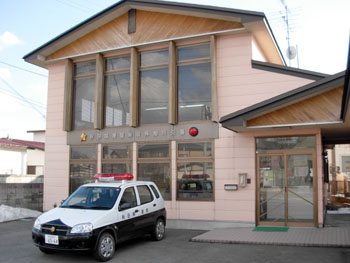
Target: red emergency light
{"type": "Point", "coordinates": [113, 177]}
{"type": "Point", "coordinates": [193, 131]}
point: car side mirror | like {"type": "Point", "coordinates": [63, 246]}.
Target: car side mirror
{"type": "Point", "coordinates": [63, 201]}
{"type": "Point", "coordinates": [124, 206]}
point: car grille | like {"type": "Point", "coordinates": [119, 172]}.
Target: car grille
{"type": "Point", "coordinates": [59, 230]}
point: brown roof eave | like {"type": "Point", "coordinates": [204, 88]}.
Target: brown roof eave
{"type": "Point", "coordinates": [236, 120]}
{"type": "Point", "coordinates": [36, 56]}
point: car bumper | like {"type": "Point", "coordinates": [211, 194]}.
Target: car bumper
{"type": "Point", "coordinates": [81, 242]}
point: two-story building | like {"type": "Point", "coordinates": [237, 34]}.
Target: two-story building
{"type": "Point", "coordinates": [197, 99]}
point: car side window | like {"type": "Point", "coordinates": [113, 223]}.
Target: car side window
{"type": "Point", "coordinates": [144, 194]}
{"type": "Point", "coordinates": [155, 191]}
{"type": "Point", "coordinates": [128, 199]}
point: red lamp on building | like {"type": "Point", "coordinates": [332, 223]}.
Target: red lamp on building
{"type": "Point", "coordinates": [193, 131]}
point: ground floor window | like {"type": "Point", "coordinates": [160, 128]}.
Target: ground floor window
{"type": "Point", "coordinates": [82, 166]}
{"type": "Point", "coordinates": [154, 165]}
{"type": "Point", "coordinates": [195, 171]}
{"type": "Point", "coordinates": [117, 159]}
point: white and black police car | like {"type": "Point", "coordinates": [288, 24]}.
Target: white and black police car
{"type": "Point", "coordinates": [99, 215]}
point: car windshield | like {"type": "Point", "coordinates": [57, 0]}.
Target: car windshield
{"type": "Point", "coordinates": [92, 197]}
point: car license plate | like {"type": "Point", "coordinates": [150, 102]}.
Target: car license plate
{"type": "Point", "coordinates": [51, 239]}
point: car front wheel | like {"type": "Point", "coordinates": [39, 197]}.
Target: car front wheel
{"type": "Point", "coordinates": [158, 230]}
{"type": "Point", "coordinates": [105, 247]}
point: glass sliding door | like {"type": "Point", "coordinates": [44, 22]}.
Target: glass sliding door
{"type": "Point", "coordinates": [286, 189]}
{"type": "Point", "coordinates": [286, 181]}
{"type": "Point", "coordinates": [271, 194]}
{"type": "Point", "coordinates": [300, 188]}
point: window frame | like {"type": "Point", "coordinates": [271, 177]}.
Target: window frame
{"type": "Point", "coordinates": [135, 71]}
{"type": "Point", "coordinates": [149, 68]}
{"type": "Point", "coordinates": [112, 73]}
{"type": "Point", "coordinates": [185, 160]}
{"type": "Point", "coordinates": [80, 77]}
{"type": "Point", "coordinates": [128, 160]}
{"type": "Point", "coordinates": [197, 61]}
{"type": "Point", "coordinates": [81, 161]}
{"type": "Point", "coordinates": [156, 160]}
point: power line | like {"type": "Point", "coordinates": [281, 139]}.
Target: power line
{"type": "Point", "coordinates": [72, 4]}
{"type": "Point", "coordinates": [8, 93]}
{"type": "Point", "coordinates": [19, 100]}
{"type": "Point", "coordinates": [42, 75]}
{"type": "Point", "coordinates": [24, 99]}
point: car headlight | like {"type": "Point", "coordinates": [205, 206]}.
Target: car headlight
{"type": "Point", "coordinates": [82, 228]}
{"type": "Point", "coordinates": [37, 224]}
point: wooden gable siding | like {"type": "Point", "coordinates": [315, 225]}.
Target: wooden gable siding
{"type": "Point", "coordinates": [150, 26]}
{"type": "Point", "coordinates": [321, 108]}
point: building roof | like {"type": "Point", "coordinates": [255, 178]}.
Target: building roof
{"type": "Point", "coordinates": [238, 118]}
{"type": "Point", "coordinates": [296, 72]}
{"type": "Point", "coordinates": [7, 142]}
{"type": "Point", "coordinates": [333, 132]}
{"type": "Point", "coordinates": [252, 21]}
{"type": "Point", "coordinates": [35, 131]}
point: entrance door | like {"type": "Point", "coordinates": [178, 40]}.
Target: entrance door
{"type": "Point", "coordinates": [286, 189]}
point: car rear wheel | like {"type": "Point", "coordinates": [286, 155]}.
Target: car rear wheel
{"type": "Point", "coordinates": [105, 247]}
{"type": "Point", "coordinates": [158, 230]}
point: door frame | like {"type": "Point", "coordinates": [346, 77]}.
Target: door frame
{"type": "Point", "coordinates": [285, 153]}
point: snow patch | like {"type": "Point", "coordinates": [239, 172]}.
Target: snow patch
{"type": "Point", "coordinates": [8, 213]}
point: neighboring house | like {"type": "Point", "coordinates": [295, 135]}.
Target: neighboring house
{"type": "Point", "coordinates": [197, 99]}
{"type": "Point", "coordinates": [20, 157]}
{"type": "Point", "coordinates": [38, 135]}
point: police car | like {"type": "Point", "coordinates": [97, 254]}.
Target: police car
{"type": "Point", "coordinates": [99, 215]}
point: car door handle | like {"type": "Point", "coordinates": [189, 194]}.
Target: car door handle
{"type": "Point", "coordinates": [154, 205]}
{"type": "Point", "coordinates": [136, 211]}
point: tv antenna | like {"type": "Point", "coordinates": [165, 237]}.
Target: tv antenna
{"type": "Point", "coordinates": [292, 52]}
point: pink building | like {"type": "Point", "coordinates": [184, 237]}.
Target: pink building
{"type": "Point", "coordinates": [197, 99]}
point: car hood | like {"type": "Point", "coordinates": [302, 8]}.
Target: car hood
{"type": "Point", "coordinates": [72, 217]}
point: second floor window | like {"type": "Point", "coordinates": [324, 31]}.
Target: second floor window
{"type": "Point", "coordinates": [194, 83]}
{"type": "Point", "coordinates": [154, 79]}
{"type": "Point", "coordinates": [84, 94]}
{"type": "Point", "coordinates": [117, 91]}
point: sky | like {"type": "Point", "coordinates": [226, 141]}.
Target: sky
{"type": "Point", "coordinates": [319, 29]}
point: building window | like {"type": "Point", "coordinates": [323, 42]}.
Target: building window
{"type": "Point", "coordinates": [281, 143]}
{"type": "Point", "coordinates": [154, 82]}
{"type": "Point", "coordinates": [84, 98]}
{"type": "Point", "coordinates": [195, 171]}
{"type": "Point", "coordinates": [82, 166]}
{"type": "Point", "coordinates": [116, 159]}
{"type": "Point", "coordinates": [31, 169]}
{"type": "Point", "coordinates": [154, 165]}
{"type": "Point", "coordinates": [194, 83]}
{"type": "Point", "coordinates": [117, 91]}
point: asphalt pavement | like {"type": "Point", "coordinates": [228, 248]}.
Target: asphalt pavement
{"type": "Point", "coordinates": [16, 246]}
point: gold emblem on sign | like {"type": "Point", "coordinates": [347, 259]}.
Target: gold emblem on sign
{"type": "Point", "coordinates": [53, 229]}
{"type": "Point", "coordinates": [83, 137]}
